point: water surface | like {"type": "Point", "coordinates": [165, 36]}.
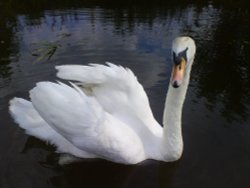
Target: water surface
{"type": "Point", "coordinates": [216, 124]}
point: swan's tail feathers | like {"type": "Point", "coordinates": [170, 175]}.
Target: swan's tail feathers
{"type": "Point", "coordinates": [24, 114]}
{"type": "Point", "coordinates": [28, 118]}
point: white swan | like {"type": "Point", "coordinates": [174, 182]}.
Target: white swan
{"type": "Point", "coordinates": [110, 116]}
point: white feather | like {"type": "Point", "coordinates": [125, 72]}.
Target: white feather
{"type": "Point", "coordinates": [116, 89]}
{"type": "Point", "coordinates": [27, 117]}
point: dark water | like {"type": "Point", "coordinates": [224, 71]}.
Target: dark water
{"type": "Point", "coordinates": [216, 120]}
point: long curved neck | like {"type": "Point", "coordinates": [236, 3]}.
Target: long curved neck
{"type": "Point", "coordinates": [172, 143]}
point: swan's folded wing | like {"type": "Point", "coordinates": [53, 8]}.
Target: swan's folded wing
{"type": "Point", "coordinates": [82, 121]}
{"type": "Point", "coordinates": [67, 110]}
{"type": "Point", "coordinates": [116, 89]}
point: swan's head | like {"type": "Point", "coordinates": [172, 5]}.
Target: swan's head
{"type": "Point", "coordinates": [183, 51]}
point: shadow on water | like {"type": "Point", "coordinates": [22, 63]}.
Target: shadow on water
{"type": "Point", "coordinates": [96, 173]}
{"type": "Point", "coordinates": [138, 35]}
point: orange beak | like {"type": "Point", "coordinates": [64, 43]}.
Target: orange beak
{"type": "Point", "coordinates": [178, 73]}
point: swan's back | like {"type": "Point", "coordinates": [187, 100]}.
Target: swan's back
{"type": "Point", "coordinates": [117, 90]}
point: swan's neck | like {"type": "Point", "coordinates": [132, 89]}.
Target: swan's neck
{"type": "Point", "coordinates": [172, 143]}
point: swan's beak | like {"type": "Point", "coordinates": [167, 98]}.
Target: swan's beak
{"type": "Point", "coordinates": [178, 73]}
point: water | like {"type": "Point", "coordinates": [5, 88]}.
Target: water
{"type": "Point", "coordinates": [216, 124]}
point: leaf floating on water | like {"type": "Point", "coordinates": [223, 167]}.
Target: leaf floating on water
{"type": "Point", "coordinates": [47, 49]}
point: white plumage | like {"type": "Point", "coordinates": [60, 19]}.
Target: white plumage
{"type": "Point", "coordinates": [105, 115]}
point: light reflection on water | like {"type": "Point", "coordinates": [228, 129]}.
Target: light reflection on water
{"type": "Point", "coordinates": [215, 118]}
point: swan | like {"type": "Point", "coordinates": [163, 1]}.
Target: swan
{"type": "Point", "coordinates": [106, 112]}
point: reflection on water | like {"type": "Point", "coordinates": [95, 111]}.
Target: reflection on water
{"type": "Point", "coordinates": [100, 35]}
{"type": "Point", "coordinates": [216, 114]}
{"type": "Point", "coordinates": [224, 76]}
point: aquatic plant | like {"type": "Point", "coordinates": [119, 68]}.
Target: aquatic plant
{"type": "Point", "coordinates": [46, 50]}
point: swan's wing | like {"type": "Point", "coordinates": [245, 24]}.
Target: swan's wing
{"type": "Point", "coordinates": [83, 122]}
{"type": "Point", "coordinates": [27, 117]}
{"type": "Point", "coordinates": [116, 89]}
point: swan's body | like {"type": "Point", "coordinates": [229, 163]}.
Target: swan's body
{"type": "Point", "coordinates": [108, 114]}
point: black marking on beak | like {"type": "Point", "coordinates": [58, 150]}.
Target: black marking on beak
{"type": "Point", "coordinates": [178, 57]}
{"type": "Point", "coordinates": [175, 84]}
